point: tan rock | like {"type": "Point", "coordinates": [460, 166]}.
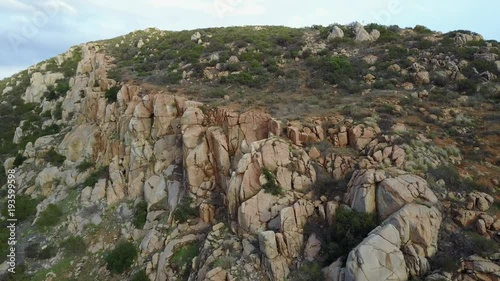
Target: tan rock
{"type": "Point", "coordinates": [419, 225]}
{"type": "Point", "coordinates": [422, 78]}
{"type": "Point", "coordinates": [216, 274]}
{"type": "Point", "coordinates": [481, 227]}
{"type": "Point", "coordinates": [207, 212]}
{"type": "Point", "coordinates": [278, 268]}
{"type": "Point", "coordinates": [378, 257]}
{"type": "Point", "coordinates": [267, 243]}
{"type": "Point", "coordinates": [464, 217]}
{"type": "Point", "coordinates": [312, 248]}
{"type": "Point", "coordinates": [79, 143]}
{"type": "Point", "coordinates": [361, 191]}
{"type": "Point", "coordinates": [394, 193]}
{"type": "Point", "coordinates": [45, 180]}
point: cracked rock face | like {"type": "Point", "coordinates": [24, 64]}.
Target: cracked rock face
{"type": "Point", "coordinates": [371, 191]}
{"type": "Point", "coordinates": [378, 257]}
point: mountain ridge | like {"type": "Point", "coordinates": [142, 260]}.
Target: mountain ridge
{"type": "Point", "coordinates": [242, 152]}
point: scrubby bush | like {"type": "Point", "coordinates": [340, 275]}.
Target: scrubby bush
{"type": "Point", "coordinates": [386, 119]}
{"type": "Point", "coordinates": [140, 276]}
{"type": "Point", "coordinates": [121, 258]}
{"type": "Point", "coordinates": [453, 180]}
{"type": "Point", "coordinates": [54, 93]}
{"type": "Point", "coordinates": [58, 111]}
{"type": "Point", "coordinates": [308, 271]}
{"type": "Point", "coordinates": [50, 217]}
{"type": "Point", "coordinates": [469, 86]}
{"type": "Point", "coordinates": [141, 212]}
{"type": "Point", "coordinates": [397, 53]}
{"type": "Point", "coordinates": [100, 173]}
{"type": "Point", "coordinates": [349, 229]}
{"type": "Point", "coordinates": [420, 29]}
{"type": "Point", "coordinates": [19, 160]}
{"type": "Point", "coordinates": [182, 258]}
{"type": "Point", "coordinates": [332, 69]}
{"type": "Point", "coordinates": [74, 245]}
{"type": "Point", "coordinates": [54, 158]}
{"type": "Point", "coordinates": [184, 211]}
{"type": "Point", "coordinates": [271, 186]}
{"type": "Point", "coordinates": [480, 66]}
{"type": "Point", "coordinates": [25, 207]}
{"type": "Point", "coordinates": [47, 252]}
{"type": "Point", "coordinates": [225, 262]}
{"type": "Point", "coordinates": [111, 94]}
{"type": "Point", "coordinates": [34, 251]}
{"type": "Point", "coordinates": [84, 166]}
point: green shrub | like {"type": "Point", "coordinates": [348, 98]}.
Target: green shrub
{"type": "Point", "coordinates": [74, 246]}
{"type": "Point", "coordinates": [225, 262]}
{"type": "Point", "coordinates": [47, 253]}
{"type": "Point", "coordinates": [349, 229]}
{"type": "Point", "coordinates": [141, 212]}
{"type": "Point", "coordinates": [308, 271]}
{"type": "Point", "coordinates": [480, 66]}
{"type": "Point", "coordinates": [271, 186]}
{"type": "Point", "coordinates": [453, 180]}
{"type": "Point", "coordinates": [121, 258]}
{"type": "Point", "coordinates": [100, 173]}
{"type": "Point", "coordinates": [111, 94]}
{"type": "Point", "coordinates": [387, 34]}
{"type": "Point", "coordinates": [84, 166]}
{"type": "Point", "coordinates": [140, 276]}
{"type": "Point", "coordinates": [468, 86]}
{"type": "Point", "coordinates": [420, 29]}
{"type": "Point", "coordinates": [444, 262]}
{"type": "Point", "coordinates": [58, 111]}
{"type": "Point", "coordinates": [332, 69]}
{"type": "Point", "coordinates": [31, 251]}
{"type": "Point", "coordinates": [184, 211]}
{"type": "Point", "coordinates": [68, 67]}
{"type": "Point", "coordinates": [25, 207]}
{"type": "Point", "coordinates": [50, 217]}
{"type": "Point", "coordinates": [182, 258]}
{"type": "Point", "coordinates": [61, 88]}
{"type": "Point", "coordinates": [19, 160]}
{"type": "Point", "coordinates": [54, 158]}
{"type": "Point", "coordinates": [34, 251]}
{"type": "Point", "coordinates": [397, 53]}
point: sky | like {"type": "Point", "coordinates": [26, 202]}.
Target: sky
{"type": "Point", "coordinates": [32, 31]}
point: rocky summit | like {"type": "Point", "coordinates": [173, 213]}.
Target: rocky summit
{"type": "Point", "coordinates": [345, 152]}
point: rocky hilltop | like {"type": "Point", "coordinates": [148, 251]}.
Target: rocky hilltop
{"type": "Point", "coordinates": [257, 153]}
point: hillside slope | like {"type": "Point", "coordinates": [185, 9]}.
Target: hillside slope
{"type": "Point", "coordinates": [256, 153]}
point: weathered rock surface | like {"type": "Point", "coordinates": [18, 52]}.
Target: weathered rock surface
{"type": "Point", "coordinates": [378, 257]}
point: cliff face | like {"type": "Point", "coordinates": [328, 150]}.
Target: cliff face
{"type": "Point", "coordinates": [209, 193]}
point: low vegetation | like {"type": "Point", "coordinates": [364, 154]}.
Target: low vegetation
{"type": "Point", "coordinates": [50, 217]}
{"type": "Point", "coordinates": [141, 212]}
{"type": "Point", "coordinates": [54, 158]}
{"type": "Point", "coordinates": [111, 94]}
{"type": "Point", "coordinates": [271, 186]}
{"type": "Point", "coordinates": [121, 258]}
{"type": "Point", "coordinates": [74, 246]}
{"type": "Point", "coordinates": [308, 271]}
{"type": "Point", "coordinates": [182, 258]}
{"type": "Point", "coordinates": [183, 212]}
{"type": "Point", "coordinates": [349, 229]}
{"type": "Point", "coordinates": [100, 173]}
